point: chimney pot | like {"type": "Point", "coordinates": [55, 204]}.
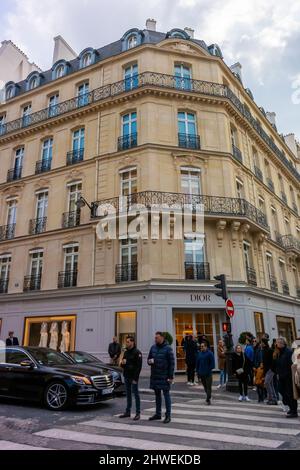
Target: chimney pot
{"type": "Point", "coordinates": [237, 68]}
{"type": "Point", "coordinates": [271, 116]}
{"type": "Point", "coordinates": [151, 24]}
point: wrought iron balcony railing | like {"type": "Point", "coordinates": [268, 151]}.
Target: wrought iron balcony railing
{"type": "Point", "coordinates": [237, 153]}
{"type": "Point", "coordinates": [251, 276]}
{"type": "Point", "coordinates": [71, 219]}
{"type": "Point", "coordinates": [295, 207]}
{"type": "Point", "coordinates": [76, 156]}
{"type": "Point", "coordinates": [42, 166]}
{"type": "Point", "coordinates": [14, 174]}
{"type": "Point", "coordinates": [189, 141]}
{"type": "Point", "coordinates": [37, 226]}
{"type": "Point", "coordinates": [126, 272]}
{"type": "Point", "coordinates": [128, 141]}
{"type": "Point", "coordinates": [161, 81]}
{"type": "Point", "coordinates": [270, 184]}
{"type": "Point", "coordinates": [285, 287]}
{"type": "Point", "coordinates": [4, 285]}
{"type": "Point", "coordinates": [258, 173]}
{"type": "Point", "coordinates": [32, 283]}
{"type": "Point", "coordinates": [67, 279]}
{"type": "Point", "coordinates": [273, 283]}
{"type": "Point", "coordinates": [7, 232]}
{"type": "Point", "coordinates": [198, 271]}
{"type": "Point", "coordinates": [298, 291]}
{"type": "Point", "coordinates": [289, 243]}
{"type": "Point", "coordinates": [283, 197]}
{"type": "Point", "coordinates": [212, 205]}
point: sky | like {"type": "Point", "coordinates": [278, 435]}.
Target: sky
{"type": "Point", "coordinates": [263, 35]}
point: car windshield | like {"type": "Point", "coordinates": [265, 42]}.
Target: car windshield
{"type": "Point", "coordinates": [49, 358]}
{"type": "Point", "coordinates": [82, 357]}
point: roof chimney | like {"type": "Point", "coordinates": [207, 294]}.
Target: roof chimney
{"type": "Point", "coordinates": [237, 69]}
{"type": "Point", "coordinates": [190, 32]}
{"type": "Point", "coordinates": [62, 50]}
{"type": "Point", "coordinates": [271, 116]}
{"type": "Point", "coordinates": [291, 142]}
{"type": "Point", "coordinates": [151, 24]}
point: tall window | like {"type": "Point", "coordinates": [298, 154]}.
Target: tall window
{"type": "Point", "coordinates": [194, 256]}
{"type": "Point", "coordinates": [247, 255]}
{"type": "Point", "coordinates": [282, 270]}
{"type": "Point", "coordinates": [233, 135]}
{"type": "Point", "coordinates": [183, 75]}
{"type": "Point", "coordinates": [259, 324]}
{"type": "Point", "coordinates": [128, 181]}
{"type": "Point", "coordinates": [296, 280]}
{"type": "Point", "coordinates": [262, 204]}
{"type": "Point", "coordinates": [186, 123]}
{"type": "Point", "coordinates": [71, 258]}
{"type": "Point", "coordinates": [131, 77]}
{"type": "Point", "coordinates": [19, 157]}
{"type": "Point", "coordinates": [129, 124]}
{"type": "Point", "coordinates": [26, 115]}
{"type": "Point", "coordinates": [41, 206]}
{"type": "Point", "coordinates": [190, 181]}
{"type": "Point", "coordinates": [12, 212]}
{"type": "Point", "coordinates": [78, 141]}
{"type": "Point", "coordinates": [271, 272]}
{"type": "Point", "coordinates": [2, 124]}
{"type": "Point", "coordinates": [83, 94]}
{"type": "Point", "coordinates": [275, 221]}
{"type": "Point", "coordinates": [47, 149]}
{"type": "Point", "coordinates": [5, 262]}
{"type": "Point", "coordinates": [74, 194]}
{"type": "Point", "coordinates": [36, 263]}
{"type": "Point", "coordinates": [128, 252]}
{"type": "Point", "coordinates": [240, 188]}
{"type": "Point", "coordinates": [53, 102]}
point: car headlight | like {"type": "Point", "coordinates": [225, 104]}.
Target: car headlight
{"type": "Point", "coordinates": [81, 380]}
{"type": "Point", "coordinates": [116, 376]}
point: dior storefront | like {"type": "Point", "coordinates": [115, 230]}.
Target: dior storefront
{"type": "Point", "coordinates": [87, 319]}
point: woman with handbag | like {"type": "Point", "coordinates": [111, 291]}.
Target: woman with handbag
{"type": "Point", "coordinates": [241, 366]}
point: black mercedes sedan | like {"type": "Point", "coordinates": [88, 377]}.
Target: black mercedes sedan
{"type": "Point", "coordinates": [80, 357]}
{"type": "Point", "coordinates": [51, 378]}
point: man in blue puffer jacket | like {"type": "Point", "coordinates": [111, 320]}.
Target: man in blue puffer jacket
{"type": "Point", "coordinates": [205, 366]}
{"type": "Point", "coordinates": [161, 360]}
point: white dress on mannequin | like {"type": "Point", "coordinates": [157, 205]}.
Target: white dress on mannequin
{"type": "Point", "coordinates": [54, 336]}
{"type": "Point", "coordinates": [44, 335]}
{"type": "Point", "coordinates": [65, 341]}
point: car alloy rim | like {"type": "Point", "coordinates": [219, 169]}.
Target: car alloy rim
{"type": "Point", "coordinates": [56, 396]}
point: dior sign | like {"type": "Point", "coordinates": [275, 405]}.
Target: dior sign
{"type": "Point", "coordinates": [200, 298]}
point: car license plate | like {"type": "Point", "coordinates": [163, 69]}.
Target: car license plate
{"type": "Point", "coordinates": [107, 391]}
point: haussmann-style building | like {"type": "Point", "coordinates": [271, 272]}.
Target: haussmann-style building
{"type": "Point", "coordinates": [159, 117]}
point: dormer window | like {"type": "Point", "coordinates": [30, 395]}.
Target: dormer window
{"type": "Point", "coordinates": [33, 81]}
{"type": "Point", "coordinates": [60, 71]}
{"type": "Point", "coordinates": [87, 59]}
{"type": "Point", "coordinates": [177, 33]}
{"type": "Point", "coordinates": [132, 41]}
{"type": "Point", "coordinates": [10, 92]}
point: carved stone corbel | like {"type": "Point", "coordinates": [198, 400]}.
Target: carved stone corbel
{"type": "Point", "coordinates": [235, 226]}
{"type": "Point", "coordinates": [221, 225]}
{"type": "Point", "coordinates": [243, 232]}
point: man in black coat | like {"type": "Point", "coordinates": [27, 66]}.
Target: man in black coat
{"type": "Point", "coordinates": [191, 350]}
{"type": "Point", "coordinates": [162, 362]}
{"type": "Point", "coordinates": [12, 340]}
{"type": "Point", "coordinates": [132, 365]}
{"type": "Point", "coordinates": [114, 351]}
{"type": "Point", "coordinates": [284, 370]}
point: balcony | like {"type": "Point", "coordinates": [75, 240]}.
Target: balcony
{"type": "Point", "coordinates": [258, 173]}
{"type": "Point", "coordinates": [37, 226]}
{"type": "Point", "coordinates": [237, 153]}
{"type": "Point", "coordinates": [189, 141]}
{"type": "Point", "coordinates": [283, 197]}
{"type": "Point", "coordinates": [270, 184]}
{"type": "Point", "coordinates": [127, 142]}
{"type": "Point", "coordinates": [4, 285]}
{"type": "Point", "coordinates": [126, 272]}
{"type": "Point", "coordinates": [42, 166]}
{"type": "Point", "coordinates": [251, 277]}
{"type": "Point", "coordinates": [32, 283]}
{"type": "Point", "coordinates": [273, 283]}
{"type": "Point", "coordinates": [7, 232]}
{"type": "Point", "coordinates": [197, 271]}
{"type": "Point", "coordinates": [214, 207]}
{"type": "Point", "coordinates": [285, 287]}
{"type": "Point", "coordinates": [76, 156]}
{"type": "Point", "coordinates": [14, 174]}
{"type": "Point", "coordinates": [71, 219]}
{"type": "Point", "coordinates": [289, 243]}
{"type": "Point", "coordinates": [67, 279]}
{"type": "Point", "coordinates": [162, 82]}
{"type": "Point", "coordinates": [295, 207]}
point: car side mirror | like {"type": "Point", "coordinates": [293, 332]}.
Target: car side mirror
{"type": "Point", "coordinates": [27, 364]}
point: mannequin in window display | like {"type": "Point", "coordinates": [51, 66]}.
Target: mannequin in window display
{"type": "Point", "coordinates": [54, 336]}
{"type": "Point", "coordinates": [44, 335]}
{"type": "Point", "coordinates": [65, 341]}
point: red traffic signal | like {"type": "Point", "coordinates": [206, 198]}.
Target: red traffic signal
{"type": "Point", "coordinates": [226, 327]}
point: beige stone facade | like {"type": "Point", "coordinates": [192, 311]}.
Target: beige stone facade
{"type": "Point", "coordinates": [231, 157]}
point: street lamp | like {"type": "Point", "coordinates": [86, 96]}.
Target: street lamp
{"type": "Point", "coordinates": [81, 202]}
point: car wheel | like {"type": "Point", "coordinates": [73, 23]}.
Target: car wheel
{"type": "Point", "coordinates": [56, 396]}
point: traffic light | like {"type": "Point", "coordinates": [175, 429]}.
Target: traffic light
{"type": "Point", "coordinates": [222, 286]}
{"type": "Point", "coordinates": [226, 327]}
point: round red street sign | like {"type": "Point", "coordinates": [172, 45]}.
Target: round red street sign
{"type": "Point", "coordinates": [229, 308]}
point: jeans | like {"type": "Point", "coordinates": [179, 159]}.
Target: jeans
{"type": "Point", "coordinates": [269, 384]}
{"type": "Point", "coordinates": [223, 376]}
{"type": "Point", "coordinates": [243, 385]}
{"type": "Point", "coordinates": [132, 388]}
{"type": "Point", "coordinates": [207, 384]}
{"type": "Point", "coordinates": [191, 372]}
{"type": "Point", "coordinates": [167, 398]}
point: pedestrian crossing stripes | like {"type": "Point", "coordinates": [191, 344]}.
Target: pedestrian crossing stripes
{"type": "Point", "coordinates": [243, 408]}
{"type": "Point", "coordinates": [114, 441]}
{"type": "Point", "coordinates": [8, 445]}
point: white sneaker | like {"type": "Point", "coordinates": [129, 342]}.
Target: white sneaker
{"type": "Point", "coordinates": [241, 398]}
{"type": "Point", "coordinates": [247, 399]}
{"type": "Point", "coordinates": [193, 383]}
{"type": "Point", "coordinates": [219, 386]}
{"type": "Point", "coordinates": [189, 383]}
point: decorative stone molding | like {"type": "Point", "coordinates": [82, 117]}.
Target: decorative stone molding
{"type": "Point", "coordinates": [243, 232]}
{"type": "Point", "coordinates": [235, 226]}
{"type": "Point", "coordinates": [109, 244]}
{"type": "Point", "coordinates": [74, 175]}
{"type": "Point", "coordinates": [220, 226]}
